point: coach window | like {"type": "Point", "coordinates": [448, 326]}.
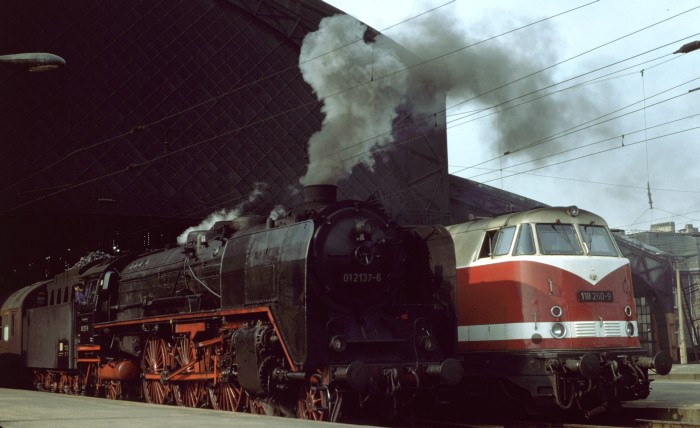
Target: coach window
{"type": "Point", "coordinates": [524, 245]}
{"type": "Point", "coordinates": [558, 239]}
{"type": "Point", "coordinates": [598, 241]}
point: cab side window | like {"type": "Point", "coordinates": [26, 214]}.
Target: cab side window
{"type": "Point", "coordinates": [497, 242]}
{"type": "Point", "coordinates": [503, 240]}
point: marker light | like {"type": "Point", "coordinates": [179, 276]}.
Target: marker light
{"type": "Point", "coordinates": [556, 311]}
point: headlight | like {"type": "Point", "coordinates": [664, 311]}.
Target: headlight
{"type": "Point", "coordinates": [572, 211]}
{"type": "Point", "coordinates": [558, 330]}
{"type": "Point", "coordinates": [628, 311]}
{"type": "Point", "coordinates": [337, 344]}
{"type": "Point", "coordinates": [630, 329]}
{"type": "Point", "coordinates": [426, 342]}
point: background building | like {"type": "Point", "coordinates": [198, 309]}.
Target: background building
{"type": "Point", "coordinates": [681, 249]}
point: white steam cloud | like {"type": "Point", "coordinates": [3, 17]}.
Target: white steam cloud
{"type": "Point", "coordinates": [226, 214]}
{"type": "Point", "coordinates": [277, 212]}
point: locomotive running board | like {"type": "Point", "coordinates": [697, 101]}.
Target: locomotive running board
{"type": "Point", "coordinates": [175, 319]}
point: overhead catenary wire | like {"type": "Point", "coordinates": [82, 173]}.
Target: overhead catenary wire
{"type": "Point", "coordinates": [589, 124]}
{"type": "Point", "coordinates": [574, 57]}
{"type": "Point", "coordinates": [602, 183]}
{"type": "Point", "coordinates": [609, 76]}
{"type": "Point", "coordinates": [491, 170]}
{"type": "Point", "coordinates": [599, 152]}
{"type": "Point", "coordinates": [673, 215]}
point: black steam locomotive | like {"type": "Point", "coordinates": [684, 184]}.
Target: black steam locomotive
{"type": "Point", "coordinates": [331, 309]}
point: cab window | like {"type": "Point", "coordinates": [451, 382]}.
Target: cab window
{"type": "Point", "coordinates": [503, 240]}
{"type": "Point", "coordinates": [558, 239]}
{"type": "Point", "coordinates": [598, 241]}
{"type": "Point", "coordinates": [497, 242]}
{"type": "Point", "coordinates": [525, 244]}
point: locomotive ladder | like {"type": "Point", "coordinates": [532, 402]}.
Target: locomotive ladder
{"type": "Point", "coordinates": [88, 355]}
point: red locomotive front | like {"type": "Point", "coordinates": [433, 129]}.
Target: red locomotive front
{"type": "Point", "coordinates": [545, 307]}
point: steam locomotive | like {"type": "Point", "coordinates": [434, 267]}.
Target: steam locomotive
{"type": "Point", "coordinates": [328, 311]}
{"type": "Point", "coordinates": [546, 313]}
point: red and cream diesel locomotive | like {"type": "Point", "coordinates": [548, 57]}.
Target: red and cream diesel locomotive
{"type": "Point", "coordinates": [546, 312]}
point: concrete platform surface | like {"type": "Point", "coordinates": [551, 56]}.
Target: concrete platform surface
{"type": "Point", "coordinates": [20, 408]}
{"type": "Point", "coordinates": [681, 372]}
{"type": "Point", "coordinates": [674, 397]}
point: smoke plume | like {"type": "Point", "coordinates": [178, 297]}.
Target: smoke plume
{"type": "Point", "coordinates": [362, 91]}
{"type": "Point", "coordinates": [491, 74]}
{"type": "Point", "coordinates": [358, 110]}
{"type": "Point", "coordinates": [226, 214]}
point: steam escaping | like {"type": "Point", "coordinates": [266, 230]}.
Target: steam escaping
{"type": "Point", "coordinates": [226, 214]}
{"type": "Point", "coordinates": [277, 212]}
{"type": "Point", "coordinates": [358, 110]}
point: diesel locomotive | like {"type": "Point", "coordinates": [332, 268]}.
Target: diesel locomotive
{"type": "Point", "coordinates": [331, 310]}
{"type": "Point", "coordinates": [546, 312]}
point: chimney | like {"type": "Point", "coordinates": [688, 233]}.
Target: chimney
{"type": "Point", "coordinates": [319, 195]}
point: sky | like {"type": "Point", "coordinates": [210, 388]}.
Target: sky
{"type": "Point", "coordinates": [618, 120]}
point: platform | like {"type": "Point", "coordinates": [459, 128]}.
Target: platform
{"type": "Point", "coordinates": [19, 408]}
{"type": "Point", "coordinates": [674, 397]}
{"type": "Point", "coordinates": [681, 372]}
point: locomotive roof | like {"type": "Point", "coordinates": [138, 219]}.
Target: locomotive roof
{"type": "Point", "coordinates": [17, 298]}
{"type": "Point", "coordinates": [537, 215]}
{"type": "Point", "coordinates": [468, 237]}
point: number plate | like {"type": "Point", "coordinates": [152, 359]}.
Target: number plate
{"type": "Point", "coordinates": [595, 296]}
